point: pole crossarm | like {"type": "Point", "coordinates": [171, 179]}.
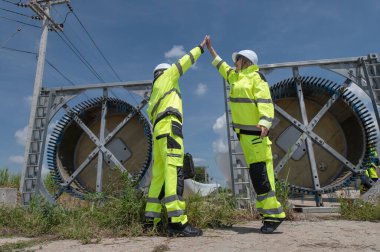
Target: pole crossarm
{"type": "Point", "coordinates": [39, 8]}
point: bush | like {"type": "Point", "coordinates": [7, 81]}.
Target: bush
{"type": "Point", "coordinates": [9, 180]}
{"type": "Point", "coordinates": [359, 210]}
{"type": "Point", "coordinates": [216, 210]}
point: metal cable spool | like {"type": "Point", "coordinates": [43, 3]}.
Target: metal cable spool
{"type": "Point", "coordinates": [69, 146]}
{"type": "Point", "coordinates": [346, 126]}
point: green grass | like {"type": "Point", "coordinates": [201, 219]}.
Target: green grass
{"type": "Point", "coordinates": [119, 211]}
{"type": "Point", "coordinates": [21, 245]}
{"type": "Point", "coordinates": [8, 179]}
{"type": "Point", "coordinates": [359, 210]}
{"type": "Point", "coordinates": [216, 210]}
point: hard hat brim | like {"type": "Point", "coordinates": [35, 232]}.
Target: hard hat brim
{"type": "Point", "coordinates": [234, 55]}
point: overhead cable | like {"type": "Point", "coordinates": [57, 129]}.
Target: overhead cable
{"type": "Point", "coordinates": [73, 48]}
{"type": "Point", "coordinates": [18, 21]}
{"type": "Point", "coordinates": [15, 12]}
{"type": "Point", "coordinates": [9, 2]}
{"type": "Point", "coordinates": [96, 46]}
{"type": "Point", "coordinates": [13, 34]}
{"type": "Point", "coordinates": [36, 54]}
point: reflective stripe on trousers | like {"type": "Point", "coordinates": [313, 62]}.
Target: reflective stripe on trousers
{"type": "Point", "coordinates": [258, 154]}
{"type": "Point", "coordinates": [167, 174]}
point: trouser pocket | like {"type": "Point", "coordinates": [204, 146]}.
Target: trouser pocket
{"type": "Point", "coordinates": [177, 129]}
{"type": "Point", "coordinates": [172, 143]}
{"type": "Point", "coordinates": [259, 177]}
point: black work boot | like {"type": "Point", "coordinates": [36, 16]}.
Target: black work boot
{"type": "Point", "coordinates": [186, 230]}
{"type": "Point", "coordinates": [270, 225]}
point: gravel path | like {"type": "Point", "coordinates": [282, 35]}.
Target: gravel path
{"type": "Point", "coordinates": [322, 235]}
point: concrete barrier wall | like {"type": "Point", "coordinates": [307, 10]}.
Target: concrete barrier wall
{"type": "Point", "coordinates": [8, 197]}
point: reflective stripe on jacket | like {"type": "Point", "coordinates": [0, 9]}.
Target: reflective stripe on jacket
{"type": "Point", "coordinates": [165, 97]}
{"type": "Point", "coordinates": [250, 98]}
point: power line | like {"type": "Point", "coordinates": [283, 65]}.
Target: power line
{"type": "Point", "coordinates": [17, 21]}
{"type": "Point", "coordinates": [9, 2]}
{"type": "Point", "coordinates": [15, 12]}
{"type": "Point", "coordinates": [49, 63]}
{"type": "Point", "coordinates": [14, 34]}
{"type": "Point", "coordinates": [17, 50]}
{"type": "Point", "coordinates": [59, 72]}
{"type": "Point", "coordinates": [98, 49]}
{"type": "Point", "coordinates": [96, 46]}
{"type": "Point", "coordinates": [73, 48]}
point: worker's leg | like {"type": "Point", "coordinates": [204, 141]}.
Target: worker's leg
{"type": "Point", "coordinates": [174, 184]}
{"type": "Point", "coordinates": [155, 193]}
{"type": "Point", "coordinates": [258, 155]}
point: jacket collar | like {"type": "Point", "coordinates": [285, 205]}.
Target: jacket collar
{"type": "Point", "coordinates": [250, 69]}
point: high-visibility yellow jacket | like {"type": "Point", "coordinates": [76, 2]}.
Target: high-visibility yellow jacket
{"type": "Point", "coordinates": [250, 100]}
{"type": "Point", "coordinates": [165, 97]}
{"type": "Point", "coordinates": [371, 172]}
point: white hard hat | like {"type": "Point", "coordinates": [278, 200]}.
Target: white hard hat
{"type": "Point", "coordinates": [161, 66]}
{"type": "Point", "coordinates": [249, 54]}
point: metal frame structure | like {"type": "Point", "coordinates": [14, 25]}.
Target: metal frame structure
{"type": "Point", "coordinates": [49, 102]}
{"type": "Point", "coordinates": [361, 71]}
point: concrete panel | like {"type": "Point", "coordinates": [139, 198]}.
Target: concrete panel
{"type": "Point", "coordinates": [8, 197]}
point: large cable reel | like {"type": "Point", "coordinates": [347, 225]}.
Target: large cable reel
{"type": "Point", "coordinates": [328, 150]}
{"type": "Point", "coordinates": [128, 142]}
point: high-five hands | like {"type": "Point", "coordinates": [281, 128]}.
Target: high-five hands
{"type": "Point", "coordinates": [204, 41]}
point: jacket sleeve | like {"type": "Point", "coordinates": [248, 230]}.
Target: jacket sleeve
{"type": "Point", "coordinates": [227, 72]}
{"type": "Point", "coordinates": [264, 101]}
{"type": "Point", "coordinates": [183, 64]}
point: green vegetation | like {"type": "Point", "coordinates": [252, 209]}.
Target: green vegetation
{"type": "Point", "coordinates": [119, 211]}
{"type": "Point", "coordinates": [216, 210]}
{"type": "Point", "coordinates": [201, 174]}
{"type": "Point", "coordinates": [359, 210]}
{"type": "Point", "coordinates": [21, 245]}
{"type": "Point", "coordinates": [9, 180]}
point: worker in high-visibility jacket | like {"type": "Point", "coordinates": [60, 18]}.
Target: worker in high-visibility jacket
{"type": "Point", "coordinates": [371, 172]}
{"type": "Point", "coordinates": [252, 115]}
{"type": "Point", "coordinates": [165, 113]}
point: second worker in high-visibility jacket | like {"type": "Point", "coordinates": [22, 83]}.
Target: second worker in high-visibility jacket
{"type": "Point", "coordinates": [165, 113]}
{"type": "Point", "coordinates": [371, 171]}
{"type": "Point", "coordinates": [252, 115]}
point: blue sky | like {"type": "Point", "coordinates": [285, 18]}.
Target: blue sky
{"type": "Point", "coordinates": [137, 35]}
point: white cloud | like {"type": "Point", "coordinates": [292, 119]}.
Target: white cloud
{"type": "Point", "coordinates": [194, 66]}
{"type": "Point", "coordinates": [220, 145]}
{"type": "Point", "coordinates": [21, 135]}
{"type": "Point", "coordinates": [176, 52]}
{"type": "Point", "coordinates": [219, 126]}
{"type": "Point", "coordinates": [201, 89]}
{"type": "Point", "coordinates": [16, 159]}
{"type": "Point", "coordinates": [199, 161]}
{"type": "Point", "coordinates": [220, 148]}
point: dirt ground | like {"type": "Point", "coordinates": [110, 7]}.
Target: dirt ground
{"type": "Point", "coordinates": [314, 234]}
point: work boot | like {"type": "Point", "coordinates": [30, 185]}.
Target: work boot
{"type": "Point", "coordinates": [270, 225]}
{"type": "Point", "coordinates": [185, 230]}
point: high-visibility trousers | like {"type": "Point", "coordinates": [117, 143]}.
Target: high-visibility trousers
{"type": "Point", "coordinates": [167, 172]}
{"type": "Point", "coordinates": [258, 155]}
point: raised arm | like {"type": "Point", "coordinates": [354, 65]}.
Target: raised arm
{"type": "Point", "coordinates": [184, 63]}
{"type": "Point", "coordinates": [224, 69]}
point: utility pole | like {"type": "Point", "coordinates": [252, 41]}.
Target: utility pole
{"type": "Point", "coordinates": [30, 183]}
